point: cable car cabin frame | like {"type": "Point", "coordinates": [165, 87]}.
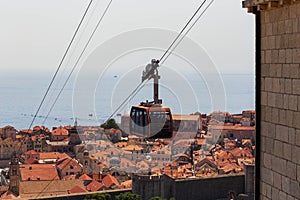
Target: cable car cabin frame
{"type": "Point", "coordinates": [151, 121]}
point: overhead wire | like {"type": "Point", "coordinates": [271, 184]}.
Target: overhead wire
{"type": "Point", "coordinates": [69, 60]}
{"type": "Point", "coordinates": [60, 64]}
{"type": "Point", "coordinates": [140, 85]}
{"type": "Point", "coordinates": [170, 53]}
{"type": "Point", "coordinates": [166, 53]}
{"type": "Point", "coordinates": [77, 61]}
{"type": "Point", "coordinates": [58, 68]}
{"type": "Point", "coordinates": [186, 25]}
{"type": "Point", "coordinates": [104, 13]}
{"type": "Point", "coordinates": [185, 34]}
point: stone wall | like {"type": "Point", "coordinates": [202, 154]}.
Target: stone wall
{"type": "Point", "coordinates": [280, 102]}
{"type": "Point", "coordinates": [209, 188]}
{"type": "Point", "coordinates": [197, 188]}
{"type": "Point", "coordinates": [112, 193]}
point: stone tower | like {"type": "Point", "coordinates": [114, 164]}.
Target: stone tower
{"type": "Point", "coordinates": [14, 174]}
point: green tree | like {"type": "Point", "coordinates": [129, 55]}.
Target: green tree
{"type": "Point", "coordinates": [98, 196]}
{"type": "Point", "coordinates": [157, 198]}
{"type": "Point", "coordinates": [128, 196]}
{"type": "Point", "coordinates": [111, 123]}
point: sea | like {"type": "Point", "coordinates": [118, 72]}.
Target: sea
{"type": "Point", "coordinates": [20, 97]}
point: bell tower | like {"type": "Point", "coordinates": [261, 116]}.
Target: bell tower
{"type": "Point", "coordinates": [14, 174]}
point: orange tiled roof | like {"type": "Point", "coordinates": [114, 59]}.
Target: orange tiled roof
{"type": "Point", "coordinates": [94, 186]}
{"type": "Point", "coordinates": [68, 127]}
{"type": "Point", "coordinates": [31, 152]}
{"type": "Point", "coordinates": [18, 136]}
{"type": "Point", "coordinates": [126, 184]}
{"type": "Point", "coordinates": [52, 155]}
{"type": "Point", "coordinates": [32, 161]}
{"type": "Point", "coordinates": [41, 172]}
{"type": "Point", "coordinates": [69, 177]}
{"type": "Point", "coordinates": [97, 177]}
{"type": "Point", "coordinates": [77, 189]}
{"type": "Point", "coordinates": [67, 161]}
{"type": "Point", "coordinates": [236, 127]}
{"type": "Point", "coordinates": [26, 131]}
{"type": "Point", "coordinates": [133, 148]}
{"type": "Point", "coordinates": [60, 131]}
{"type": "Point", "coordinates": [241, 152]}
{"type": "Point", "coordinates": [30, 189]}
{"type": "Point", "coordinates": [180, 117]}
{"type": "Point", "coordinates": [85, 177]}
{"type": "Point", "coordinates": [121, 144]}
{"type": "Point", "coordinates": [8, 195]}
{"type": "Point", "coordinates": [37, 128]}
{"type": "Point", "coordinates": [109, 181]}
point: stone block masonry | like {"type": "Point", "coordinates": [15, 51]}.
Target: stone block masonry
{"type": "Point", "coordinates": [280, 97]}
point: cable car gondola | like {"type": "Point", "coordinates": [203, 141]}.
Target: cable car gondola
{"type": "Point", "coordinates": [150, 119]}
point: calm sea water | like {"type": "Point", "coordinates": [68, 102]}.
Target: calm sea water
{"type": "Point", "coordinates": [20, 97]}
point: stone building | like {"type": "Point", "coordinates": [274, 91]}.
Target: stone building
{"type": "Point", "coordinates": [14, 174]}
{"type": "Point", "coordinates": [8, 132]}
{"type": "Point", "coordinates": [7, 147]}
{"type": "Point", "coordinates": [190, 188]}
{"type": "Point", "coordinates": [278, 97]}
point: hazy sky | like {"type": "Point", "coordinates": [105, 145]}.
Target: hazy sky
{"type": "Point", "coordinates": [34, 34]}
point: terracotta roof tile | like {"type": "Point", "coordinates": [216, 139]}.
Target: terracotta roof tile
{"type": "Point", "coordinates": [9, 195]}
{"type": "Point", "coordinates": [109, 181]}
{"type": "Point", "coordinates": [69, 177]}
{"type": "Point", "coordinates": [126, 184]}
{"type": "Point", "coordinates": [64, 162]}
{"type": "Point", "coordinates": [31, 161]}
{"type": "Point", "coordinates": [52, 155]}
{"type": "Point", "coordinates": [77, 189]}
{"type": "Point", "coordinates": [26, 131]}
{"type": "Point", "coordinates": [43, 172]}
{"type": "Point", "coordinates": [60, 131]}
{"type": "Point", "coordinates": [85, 177]}
{"type": "Point", "coordinates": [31, 152]}
{"type": "Point", "coordinates": [30, 189]}
{"type": "Point", "coordinates": [95, 186]}
{"type": "Point", "coordinates": [97, 177]}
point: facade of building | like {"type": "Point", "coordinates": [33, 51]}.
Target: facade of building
{"type": "Point", "coordinates": [278, 97]}
{"type": "Point", "coordinates": [8, 132]}
{"type": "Point", "coordinates": [59, 134]}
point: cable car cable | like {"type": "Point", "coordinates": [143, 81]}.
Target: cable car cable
{"type": "Point", "coordinates": [71, 55]}
{"type": "Point", "coordinates": [188, 30]}
{"type": "Point", "coordinates": [57, 70]}
{"type": "Point", "coordinates": [182, 30]}
{"type": "Point", "coordinates": [142, 84]}
{"type": "Point", "coordinates": [77, 61]}
{"type": "Point", "coordinates": [60, 64]}
{"type": "Point", "coordinates": [105, 11]}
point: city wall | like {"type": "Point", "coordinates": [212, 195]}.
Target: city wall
{"type": "Point", "coordinates": [198, 188]}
